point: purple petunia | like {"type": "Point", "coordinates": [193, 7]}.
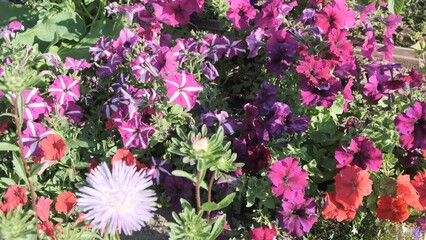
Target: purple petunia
{"type": "Point", "coordinates": [65, 89]}
{"type": "Point", "coordinates": [298, 218]}
{"type": "Point", "coordinates": [411, 126]}
{"type": "Point", "coordinates": [177, 188]}
{"type": "Point", "coordinates": [283, 121]}
{"type": "Point", "coordinates": [361, 153]}
{"type": "Point", "coordinates": [34, 104]}
{"type": "Point", "coordinates": [182, 89]}
{"type": "Point", "coordinates": [240, 12]}
{"type": "Point", "coordinates": [76, 65]}
{"type": "Point", "coordinates": [135, 133]}
{"type": "Point", "coordinates": [31, 137]}
{"type": "Point", "coordinates": [288, 179]}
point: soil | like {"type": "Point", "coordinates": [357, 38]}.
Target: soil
{"type": "Point", "coordinates": [156, 228]}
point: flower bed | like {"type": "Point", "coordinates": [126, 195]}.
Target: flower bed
{"type": "Point", "coordinates": [267, 125]}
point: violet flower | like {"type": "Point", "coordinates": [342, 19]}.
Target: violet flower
{"type": "Point", "coordinates": [298, 218]}
{"type": "Point", "coordinates": [209, 70]}
{"type": "Point", "coordinates": [34, 104]}
{"type": "Point", "coordinates": [177, 188]}
{"type": "Point", "coordinates": [31, 138]}
{"type": "Point", "coordinates": [411, 126]}
{"type": "Point", "coordinates": [65, 89]}
{"type": "Point", "coordinates": [282, 121]}
{"type": "Point", "coordinates": [135, 133]}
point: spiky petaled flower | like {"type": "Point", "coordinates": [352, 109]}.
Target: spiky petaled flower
{"type": "Point", "coordinates": [117, 200]}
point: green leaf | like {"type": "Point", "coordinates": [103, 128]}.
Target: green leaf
{"type": "Point", "coordinates": [192, 177]}
{"type": "Point", "coordinates": [395, 6]}
{"type": "Point", "coordinates": [102, 27]}
{"type": "Point", "coordinates": [10, 12]}
{"type": "Point", "coordinates": [18, 167]}
{"type": "Point", "coordinates": [211, 206]}
{"type": "Point", "coordinates": [4, 146]}
{"type": "Point", "coordinates": [218, 226]}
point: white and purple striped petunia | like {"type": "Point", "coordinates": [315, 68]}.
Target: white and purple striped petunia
{"type": "Point", "coordinates": [32, 136]}
{"type": "Point", "coordinates": [213, 46]}
{"type": "Point", "coordinates": [65, 89]}
{"type": "Point", "coordinates": [111, 106]}
{"type": "Point", "coordinates": [135, 133]}
{"type": "Point", "coordinates": [102, 49]}
{"type": "Point", "coordinates": [142, 68]}
{"type": "Point", "coordinates": [234, 47]}
{"type": "Point", "coordinates": [76, 65]}
{"type": "Point", "coordinates": [182, 89]}
{"type": "Point", "coordinates": [34, 104]}
{"type": "Point", "coordinates": [72, 111]}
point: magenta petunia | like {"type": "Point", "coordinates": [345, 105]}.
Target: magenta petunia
{"type": "Point", "coordinates": [254, 42]}
{"type": "Point", "coordinates": [411, 126]}
{"type": "Point", "coordinates": [76, 65]}
{"type": "Point", "coordinates": [369, 46]}
{"type": "Point", "coordinates": [102, 49]}
{"type": "Point", "coordinates": [65, 89]}
{"type": "Point", "coordinates": [142, 68]}
{"type": "Point", "coordinates": [182, 89]}
{"type": "Point", "coordinates": [268, 16]}
{"type": "Point", "coordinates": [34, 104]}
{"type": "Point", "coordinates": [240, 12]}
{"type": "Point", "coordinates": [172, 13]}
{"type": "Point", "coordinates": [322, 94]}
{"type": "Point", "coordinates": [32, 136]}
{"type": "Point", "coordinates": [288, 179]}
{"type": "Point", "coordinates": [213, 46]}
{"type": "Point", "coordinates": [135, 133]}
{"type": "Point", "coordinates": [298, 218]}
{"type": "Point", "coordinates": [330, 18]}
{"type": "Point", "coordinates": [125, 41]}
{"type": "Point", "coordinates": [164, 61]}
{"type": "Point", "coordinates": [72, 111]}
{"type": "Point", "coordinates": [339, 44]}
{"type": "Point", "coordinates": [361, 152]}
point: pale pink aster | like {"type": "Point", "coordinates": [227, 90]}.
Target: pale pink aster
{"type": "Point", "coordinates": [117, 200]}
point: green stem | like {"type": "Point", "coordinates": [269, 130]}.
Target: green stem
{"type": "Point", "coordinates": [197, 191]}
{"type": "Point", "coordinates": [24, 161]}
{"type": "Point", "coordinates": [209, 194]}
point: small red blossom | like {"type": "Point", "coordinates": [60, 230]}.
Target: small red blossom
{"type": "Point", "coordinates": [65, 202]}
{"type": "Point", "coordinates": [263, 233]}
{"type": "Point", "coordinates": [15, 196]}
{"type": "Point", "coordinates": [43, 208]}
{"type": "Point", "coordinates": [3, 126]}
{"type": "Point", "coordinates": [407, 191]}
{"type": "Point", "coordinates": [53, 147]}
{"type": "Point", "coordinates": [47, 228]}
{"type": "Point", "coordinates": [125, 155]}
{"type": "Point", "coordinates": [352, 184]}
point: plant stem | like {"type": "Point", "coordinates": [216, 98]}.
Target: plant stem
{"type": "Point", "coordinates": [197, 191]}
{"type": "Point", "coordinates": [209, 194]}
{"type": "Point", "coordinates": [21, 151]}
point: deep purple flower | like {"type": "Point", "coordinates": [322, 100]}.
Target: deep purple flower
{"type": "Point", "coordinates": [307, 16]}
{"type": "Point", "coordinates": [253, 128]}
{"type": "Point", "coordinates": [110, 67]}
{"type": "Point", "coordinates": [414, 79]}
{"type": "Point", "coordinates": [159, 169]}
{"type": "Point", "coordinates": [322, 94]}
{"type": "Point", "coordinates": [177, 188]}
{"type": "Point", "coordinates": [298, 218]}
{"type": "Point", "coordinates": [259, 158]}
{"type": "Point", "coordinates": [288, 179]}
{"type": "Point", "coordinates": [240, 12]}
{"type": "Point", "coordinates": [282, 121]}
{"type": "Point", "coordinates": [110, 106]}
{"type": "Point", "coordinates": [229, 125]}
{"type": "Point", "coordinates": [411, 126]}
{"type": "Point", "coordinates": [65, 89]}
{"type": "Point", "coordinates": [266, 97]}
{"type": "Point", "coordinates": [34, 104]}
{"type": "Point", "coordinates": [281, 48]}
{"type": "Point", "coordinates": [361, 152]}
{"type": "Point", "coordinates": [209, 70]}
{"type": "Point", "coordinates": [412, 162]}
{"type": "Point", "coordinates": [72, 111]}
{"type": "Point", "coordinates": [421, 222]}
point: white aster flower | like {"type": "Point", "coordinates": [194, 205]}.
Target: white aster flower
{"type": "Point", "coordinates": [117, 201]}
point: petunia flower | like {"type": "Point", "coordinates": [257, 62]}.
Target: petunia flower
{"type": "Point", "coordinates": [102, 49]}
{"type": "Point", "coordinates": [125, 41]}
{"type": "Point", "coordinates": [209, 70]}
{"type": "Point", "coordinates": [419, 183]}
{"type": "Point", "coordinates": [47, 228]}
{"type": "Point", "coordinates": [34, 104]}
{"type": "Point", "coordinates": [393, 209]}
{"type": "Point", "coordinates": [288, 179]}
{"type": "Point", "coordinates": [177, 188]}
{"type": "Point", "coordinates": [124, 155]}
{"type": "Point", "coordinates": [53, 147]}
{"type": "Point", "coordinates": [258, 158]}
{"type": "Point", "coordinates": [182, 89]}
{"type": "Point", "coordinates": [65, 202]}
{"type": "Point", "coordinates": [268, 16]}
{"type": "Point", "coordinates": [352, 184]}
{"type": "Point", "coordinates": [298, 218]}
{"type": "Point", "coordinates": [72, 111]}
{"type": "Point", "coordinates": [43, 208]}
{"type": "Point", "coordinates": [240, 12]}
{"type": "Point", "coordinates": [110, 67]}
{"type": "Point", "coordinates": [282, 121]}
{"type": "Point", "coordinates": [156, 169]}
{"type": "Point", "coordinates": [65, 89]}
{"type": "Point", "coordinates": [361, 153]}
{"type": "Point", "coordinates": [411, 126]}
{"type": "Point", "coordinates": [164, 62]}
{"type": "Point", "coordinates": [281, 49]}
{"type": "Point", "coordinates": [135, 133]}
{"type": "Point", "coordinates": [76, 65]}
{"type": "Point", "coordinates": [263, 233]}
{"type": "Point", "coordinates": [117, 199]}
{"type": "Point", "coordinates": [142, 68]}
{"type": "Point", "coordinates": [172, 13]}
{"type": "Point", "coordinates": [213, 47]}
{"type": "Point", "coordinates": [408, 192]}
{"type": "Point", "coordinates": [335, 210]}
{"type": "Point", "coordinates": [15, 196]}
{"type": "Point", "coordinates": [32, 136]}
{"type": "Point", "coordinates": [330, 18]}
{"type": "Point", "coordinates": [254, 42]}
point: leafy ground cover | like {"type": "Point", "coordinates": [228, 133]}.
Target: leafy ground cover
{"type": "Point", "coordinates": [245, 119]}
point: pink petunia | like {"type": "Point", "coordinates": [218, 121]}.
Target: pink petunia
{"type": "Point", "coordinates": [65, 89]}
{"type": "Point", "coordinates": [182, 89]}
{"type": "Point", "coordinates": [240, 13]}
{"type": "Point", "coordinates": [34, 104]}
{"type": "Point", "coordinates": [76, 65]}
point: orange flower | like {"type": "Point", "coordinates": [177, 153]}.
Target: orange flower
{"type": "Point", "coordinates": [53, 147]}
{"type": "Point", "coordinates": [407, 191]}
{"type": "Point", "coordinates": [335, 210]}
{"type": "Point", "coordinates": [419, 184]}
{"type": "Point", "coordinates": [65, 202]}
{"type": "Point", "coordinates": [393, 209]}
{"type": "Point", "coordinates": [352, 184]}
{"type": "Point", "coordinates": [125, 155]}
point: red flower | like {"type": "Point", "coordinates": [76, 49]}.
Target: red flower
{"type": "Point", "coordinates": [65, 202]}
{"type": "Point", "coordinates": [3, 126]}
{"type": "Point", "coordinates": [407, 191]}
{"type": "Point", "coordinates": [15, 196]}
{"type": "Point", "coordinates": [419, 184]}
{"type": "Point", "coordinates": [53, 147]}
{"type": "Point", "coordinates": [47, 227]}
{"type": "Point", "coordinates": [125, 155]}
{"type": "Point", "coordinates": [43, 208]}
{"type": "Point", "coordinates": [263, 233]}
{"type": "Point", "coordinates": [335, 210]}
{"type": "Point", "coordinates": [393, 209]}
{"type": "Point", "coordinates": [352, 184]}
